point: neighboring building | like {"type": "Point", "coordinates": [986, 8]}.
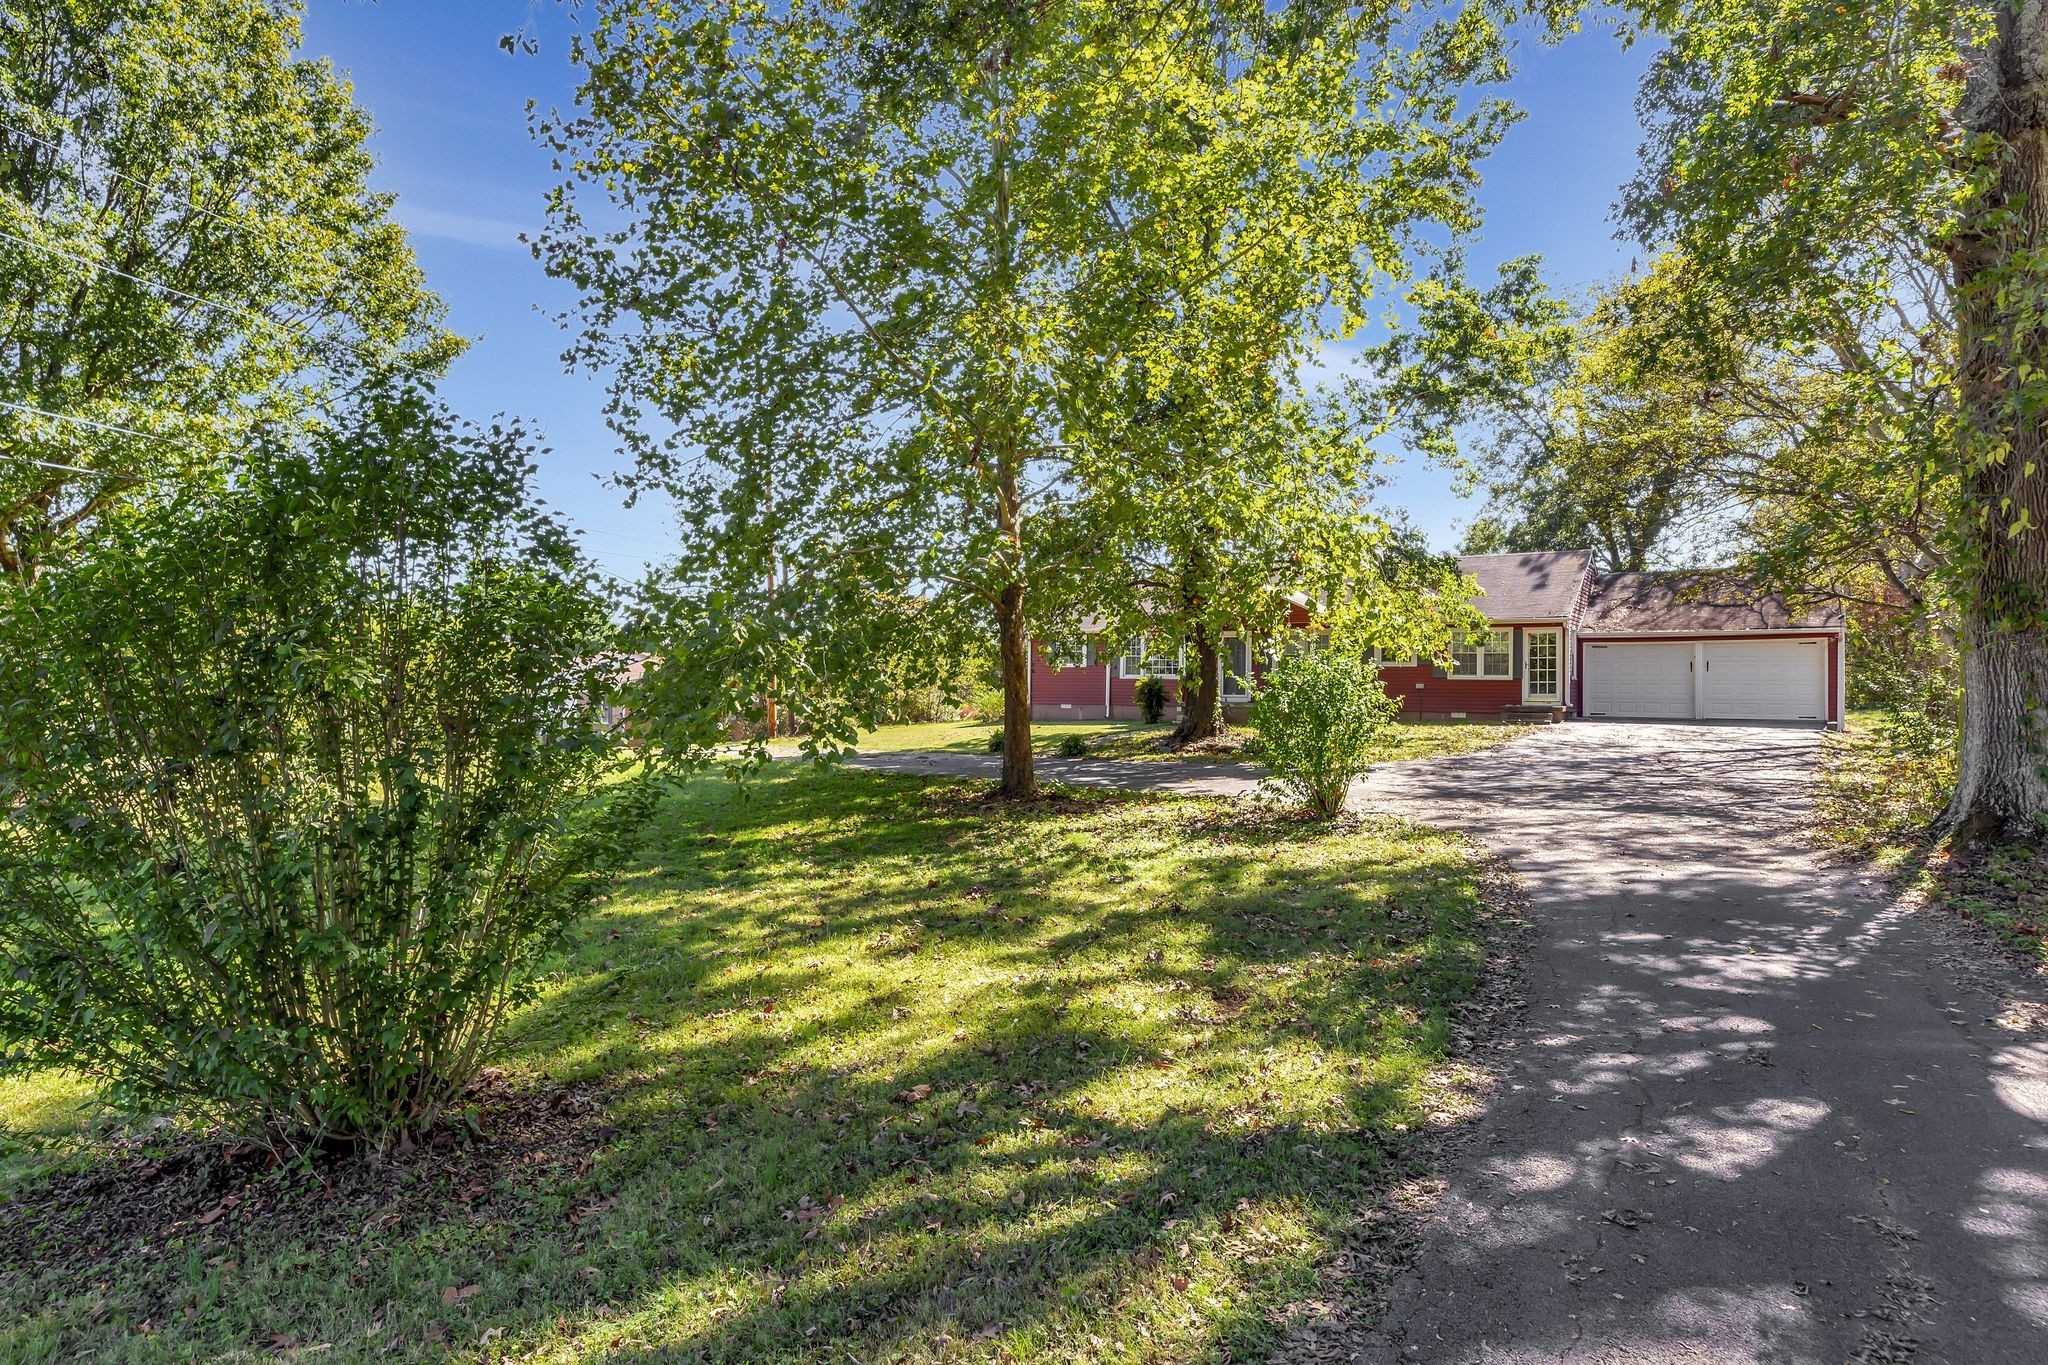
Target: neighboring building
{"type": "Point", "coordinates": [1564, 640]}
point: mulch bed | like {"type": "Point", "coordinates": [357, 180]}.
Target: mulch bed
{"type": "Point", "coordinates": [150, 1200]}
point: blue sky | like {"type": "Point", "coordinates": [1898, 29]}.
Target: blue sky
{"type": "Point", "coordinates": [452, 142]}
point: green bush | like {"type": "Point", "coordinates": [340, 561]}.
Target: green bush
{"type": "Point", "coordinates": [995, 742]}
{"type": "Point", "coordinates": [304, 772]}
{"type": "Point", "coordinates": [985, 702]}
{"type": "Point", "coordinates": [917, 699]}
{"type": "Point", "coordinates": [1150, 694]}
{"type": "Point", "coordinates": [1074, 746]}
{"type": "Point", "coordinates": [1319, 716]}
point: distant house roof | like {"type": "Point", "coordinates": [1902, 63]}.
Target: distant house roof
{"type": "Point", "coordinates": [1541, 586]}
{"type": "Point", "coordinates": [1702, 600]}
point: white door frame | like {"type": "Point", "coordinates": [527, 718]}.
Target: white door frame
{"type": "Point", "coordinates": [1529, 633]}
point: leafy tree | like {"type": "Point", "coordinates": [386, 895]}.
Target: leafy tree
{"type": "Point", "coordinates": [306, 771]}
{"type": "Point", "coordinates": [188, 241]}
{"type": "Point", "coordinates": [876, 281]}
{"type": "Point", "coordinates": [1605, 445]}
{"type": "Point", "coordinates": [1307, 155]}
{"type": "Point", "coordinates": [1799, 154]}
{"type": "Point", "coordinates": [1320, 714]}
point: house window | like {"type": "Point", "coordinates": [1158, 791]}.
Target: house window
{"type": "Point", "coordinates": [1073, 657]}
{"type": "Point", "coordinates": [1139, 662]}
{"type": "Point", "coordinates": [1482, 654]}
{"type": "Point", "coordinates": [1237, 667]}
{"type": "Point", "coordinates": [1380, 659]}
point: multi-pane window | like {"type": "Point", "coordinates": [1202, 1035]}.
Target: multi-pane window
{"type": "Point", "coordinates": [1483, 654]}
{"type": "Point", "coordinates": [1139, 661]}
{"type": "Point", "coordinates": [1072, 656]}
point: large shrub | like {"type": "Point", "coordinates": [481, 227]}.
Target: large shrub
{"type": "Point", "coordinates": [1318, 717]}
{"type": "Point", "coordinates": [305, 773]}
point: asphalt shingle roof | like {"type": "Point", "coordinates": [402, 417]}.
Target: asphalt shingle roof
{"type": "Point", "coordinates": [1541, 586]}
{"type": "Point", "coordinates": [1705, 600]}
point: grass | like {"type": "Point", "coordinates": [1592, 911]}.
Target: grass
{"type": "Point", "coordinates": [45, 1118]}
{"type": "Point", "coordinates": [1877, 798]}
{"type": "Point", "coordinates": [1120, 739]}
{"type": "Point", "coordinates": [972, 736]}
{"type": "Point", "coordinates": [893, 1074]}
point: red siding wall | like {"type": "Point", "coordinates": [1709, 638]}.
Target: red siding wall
{"type": "Point", "coordinates": [1424, 694]}
{"type": "Point", "coordinates": [1080, 689]}
{"type": "Point", "coordinates": [1076, 693]}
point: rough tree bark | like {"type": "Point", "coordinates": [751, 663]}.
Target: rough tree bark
{"type": "Point", "coordinates": [1020, 777]}
{"type": "Point", "coordinates": [2002, 786]}
{"type": "Point", "coordinates": [1201, 710]}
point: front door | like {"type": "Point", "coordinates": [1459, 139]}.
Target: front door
{"type": "Point", "coordinates": [1543, 668]}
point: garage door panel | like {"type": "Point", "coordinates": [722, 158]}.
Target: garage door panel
{"type": "Point", "coordinates": [1766, 680]}
{"type": "Point", "coordinates": [1639, 682]}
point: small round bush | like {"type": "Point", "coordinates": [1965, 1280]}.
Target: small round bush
{"type": "Point", "coordinates": [1073, 746]}
{"type": "Point", "coordinates": [995, 742]}
{"type": "Point", "coordinates": [984, 703]}
{"type": "Point", "coordinates": [1319, 716]}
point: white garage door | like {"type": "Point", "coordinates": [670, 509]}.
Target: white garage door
{"type": "Point", "coordinates": [1645, 682]}
{"type": "Point", "coordinates": [1766, 680]}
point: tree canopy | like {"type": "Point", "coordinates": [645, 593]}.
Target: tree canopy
{"type": "Point", "coordinates": [188, 246]}
{"type": "Point", "coordinates": [889, 291]}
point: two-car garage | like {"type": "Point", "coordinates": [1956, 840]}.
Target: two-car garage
{"type": "Point", "coordinates": [1732, 679]}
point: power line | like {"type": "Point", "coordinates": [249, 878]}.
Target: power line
{"type": "Point", "coordinates": [73, 469]}
{"type": "Point", "coordinates": [82, 421]}
{"type": "Point", "coordinates": [159, 191]}
{"type": "Point", "coordinates": [91, 264]}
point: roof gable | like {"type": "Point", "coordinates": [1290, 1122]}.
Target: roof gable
{"type": "Point", "coordinates": [1537, 586]}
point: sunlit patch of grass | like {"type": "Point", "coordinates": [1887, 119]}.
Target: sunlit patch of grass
{"type": "Point", "coordinates": [972, 736]}
{"type": "Point", "coordinates": [42, 1114]}
{"type": "Point", "coordinates": [1120, 739]}
{"type": "Point", "coordinates": [898, 1073]}
{"type": "Point", "coordinates": [1875, 797]}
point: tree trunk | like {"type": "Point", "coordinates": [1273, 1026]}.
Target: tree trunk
{"type": "Point", "coordinates": [1201, 710]}
{"type": "Point", "coordinates": [1020, 777]}
{"type": "Point", "coordinates": [2001, 790]}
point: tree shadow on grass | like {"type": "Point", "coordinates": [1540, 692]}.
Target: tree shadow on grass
{"type": "Point", "coordinates": [1188, 1091]}
{"type": "Point", "coordinates": [895, 1074]}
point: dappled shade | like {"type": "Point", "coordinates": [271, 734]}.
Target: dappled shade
{"type": "Point", "coordinates": [1762, 1112]}
{"type": "Point", "coordinates": [891, 1067]}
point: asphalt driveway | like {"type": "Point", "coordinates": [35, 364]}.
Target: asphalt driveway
{"type": "Point", "coordinates": [1760, 1112]}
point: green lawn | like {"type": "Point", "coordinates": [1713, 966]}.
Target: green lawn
{"type": "Point", "coordinates": [885, 1072]}
{"type": "Point", "coordinates": [1132, 739]}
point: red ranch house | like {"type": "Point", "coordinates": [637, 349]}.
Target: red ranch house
{"type": "Point", "coordinates": [1564, 639]}
{"type": "Point", "coordinates": [1095, 687]}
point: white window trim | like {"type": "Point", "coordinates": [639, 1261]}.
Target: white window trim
{"type": "Point", "coordinates": [1225, 681]}
{"type": "Point", "coordinates": [1380, 660]}
{"type": "Point", "coordinates": [1563, 684]}
{"type": "Point", "coordinates": [1061, 661]}
{"type": "Point", "coordinates": [1123, 662]}
{"type": "Point", "coordinates": [1485, 648]}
